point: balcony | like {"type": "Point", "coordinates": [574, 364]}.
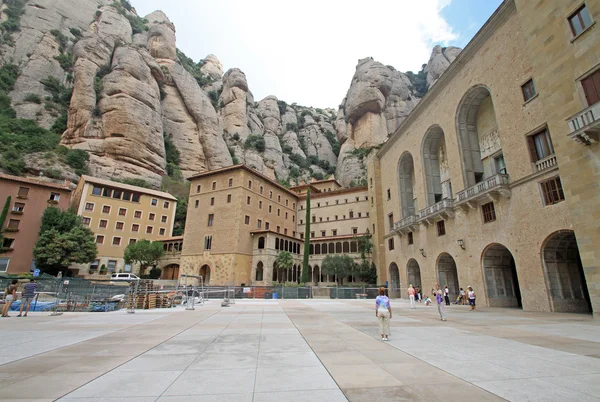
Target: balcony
{"type": "Point", "coordinates": [545, 163]}
{"type": "Point", "coordinates": [487, 190]}
{"type": "Point", "coordinates": [407, 224]}
{"type": "Point", "coordinates": [584, 126]}
{"type": "Point", "coordinates": [442, 209]}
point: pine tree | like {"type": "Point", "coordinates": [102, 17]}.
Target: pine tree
{"type": "Point", "coordinates": [306, 240]}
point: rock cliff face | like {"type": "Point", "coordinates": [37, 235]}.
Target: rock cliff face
{"type": "Point", "coordinates": [127, 93]}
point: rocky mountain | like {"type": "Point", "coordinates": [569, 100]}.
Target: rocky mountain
{"type": "Point", "coordinates": [88, 85]}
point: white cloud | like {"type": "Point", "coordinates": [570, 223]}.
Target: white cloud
{"type": "Point", "coordinates": [306, 52]}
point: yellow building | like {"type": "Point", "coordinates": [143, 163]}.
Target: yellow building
{"type": "Point", "coordinates": [120, 214]}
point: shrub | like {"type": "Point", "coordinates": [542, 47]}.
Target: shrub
{"type": "Point", "coordinates": [76, 33]}
{"type": "Point", "coordinates": [287, 149]}
{"type": "Point", "coordinates": [235, 137]}
{"type": "Point", "coordinates": [13, 162]}
{"type": "Point", "coordinates": [52, 173]}
{"type": "Point", "coordinates": [62, 40]}
{"type": "Point", "coordinates": [135, 182]}
{"type": "Point", "coordinates": [214, 98]}
{"type": "Point", "coordinates": [33, 98]}
{"type": "Point", "coordinates": [312, 159]}
{"type": "Point", "coordinates": [8, 76]}
{"type": "Point", "coordinates": [194, 68]}
{"type": "Point", "coordinates": [291, 127]}
{"type": "Point", "coordinates": [77, 158]}
{"type": "Point", "coordinates": [335, 145]}
{"type": "Point", "coordinates": [299, 160]}
{"type": "Point", "coordinates": [282, 107]}
{"type": "Point", "coordinates": [65, 60]}
{"type": "Point", "coordinates": [294, 172]}
{"type": "Point", "coordinates": [13, 11]}
{"type": "Point", "coordinates": [255, 141]}
{"type": "Point", "coordinates": [317, 176]}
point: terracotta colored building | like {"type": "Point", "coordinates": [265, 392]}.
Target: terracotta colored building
{"type": "Point", "coordinates": [29, 199]}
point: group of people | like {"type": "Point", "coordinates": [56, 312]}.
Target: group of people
{"type": "Point", "coordinates": [383, 308]}
{"type": "Point", "coordinates": [27, 297]}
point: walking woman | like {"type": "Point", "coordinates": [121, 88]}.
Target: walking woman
{"type": "Point", "coordinates": [440, 302]}
{"type": "Point", "coordinates": [10, 295]}
{"type": "Point", "coordinates": [383, 312]}
{"type": "Point", "coordinates": [472, 296]}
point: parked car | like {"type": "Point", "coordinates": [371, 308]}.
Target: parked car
{"type": "Point", "coordinates": [124, 277]}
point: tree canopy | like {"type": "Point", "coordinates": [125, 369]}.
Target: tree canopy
{"type": "Point", "coordinates": [143, 252]}
{"type": "Point", "coordinates": [284, 260]}
{"type": "Point", "coordinates": [339, 265]}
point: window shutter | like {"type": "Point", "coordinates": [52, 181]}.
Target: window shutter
{"type": "Point", "coordinates": [591, 88]}
{"type": "Point", "coordinates": [545, 193]}
{"type": "Point", "coordinates": [532, 151]}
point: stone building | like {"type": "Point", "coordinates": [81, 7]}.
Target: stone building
{"type": "Point", "coordinates": [120, 214]}
{"type": "Point", "coordinates": [470, 189]}
{"type": "Point", "coordinates": [29, 200]}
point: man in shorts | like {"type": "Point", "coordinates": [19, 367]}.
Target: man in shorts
{"type": "Point", "coordinates": [27, 296]}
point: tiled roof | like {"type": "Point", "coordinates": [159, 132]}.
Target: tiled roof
{"type": "Point", "coordinates": [64, 187]}
{"type": "Point", "coordinates": [90, 179]}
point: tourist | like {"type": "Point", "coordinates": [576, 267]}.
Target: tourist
{"type": "Point", "coordinates": [440, 302]}
{"type": "Point", "coordinates": [10, 295]}
{"type": "Point", "coordinates": [447, 295]}
{"type": "Point", "coordinates": [472, 296]}
{"type": "Point", "coordinates": [27, 296]}
{"type": "Point", "coordinates": [418, 290]}
{"type": "Point", "coordinates": [463, 297]}
{"type": "Point", "coordinates": [383, 312]}
{"type": "Point", "coordinates": [411, 296]}
{"type": "Point", "coordinates": [427, 300]}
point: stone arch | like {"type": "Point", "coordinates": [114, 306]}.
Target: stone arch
{"type": "Point", "coordinates": [338, 247]}
{"type": "Point", "coordinates": [259, 271]}
{"type": "Point", "coordinates": [565, 279]}
{"type": "Point", "coordinates": [205, 273]}
{"type": "Point", "coordinates": [406, 174]}
{"type": "Point", "coordinates": [346, 247]}
{"type": "Point", "coordinates": [331, 248]}
{"type": "Point", "coordinates": [317, 248]}
{"type": "Point", "coordinates": [474, 124]}
{"type": "Point", "coordinates": [394, 286]}
{"type": "Point", "coordinates": [500, 277]}
{"type": "Point", "coordinates": [316, 275]}
{"type": "Point", "coordinates": [435, 165]}
{"type": "Point", "coordinates": [447, 274]}
{"type": "Point", "coordinates": [413, 273]}
{"type": "Point", "coordinates": [261, 242]}
{"type": "Point", "coordinates": [311, 249]}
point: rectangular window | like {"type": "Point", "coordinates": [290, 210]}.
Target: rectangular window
{"type": "Point", "coordinates": [54, 197]}
{"type": "Point", "coordinates": [212, 201]}
{"type": "Point", "coordinates": [267, 225]}
{"type": "Point", "coordinates": [132, 241]}
{"type": "Point", "coordinates": [117, 194]}
{"type": "Point", "coordinates": [286, 203]}
{"type": "Point", "coordinates": [354, 230]}
{"type": "Point", "coordinates": [528, 90]}
{"type": "Point", "coordinates": [122, 212]}
{"type": "Point", "coordinates": [312, 234]}
{"type": "Point", "coordinates": [336, 217]}
{"type": "Point", "coordinates": [166, 204]}
{"type": "Point", "coordinates": [248, 199]}
{"type": "Point", "coordinates": [116, 241]}
{"type": "Point", "coordinates": [260, 205]}
{"type": "Point", "coordinates": [270, 194]}
{"type": "Point", "coordinates": [86, 221]}
{"type": "Point", "coordinates": [99, 239]}
{"type": "Point", "coordinates": [119, 226]}
{"type": "Point", "coordinates": [391, 243]}
{"type": "Point", "coordinates": [389, 194]}
{"type": "Point", "coordinates": [499, 164]}
{"type": "Point", "coordinates": [135, 197]}
{"type": "Point", "coordinates": [334, 232]}
{"type": "Point", "coordinates": [13, 224]}
{"type": "Point", "coordinates": [250, 184]}
{"type": "Point", "coordinates": [391, 221]}
{"type": "Point", "coordinates": [259, 224]}
{"type": "Point", "coordinates": [94, 265]}
{"type": "Point", "coordinates": [198, 187]}
{"type": "Point", "coordinates": [161, 232]}
{"type": "Point", "coordinates": [97, 190]}
{"type": "Point", "coordinates": [270, 208]}
{"type": "Point", "coordinates": [149, 229]}
{"type": "Point", "coordinates": [591, 88]}
{"type": "Point", "coordinates": [137, 214]}
{"type": "Point", "coordinates": [278, 212]}
{"type": "Point", "coordinates": [112, 265]}
{"type": "Point", "coordinates": [211, 219]}
{"type": "Point", "coordinates": [410, 238]}
{"type": "Point", "coordinates": [278, 198]}
{"type": "Point", "coordinates": [261, 189]}
{"type": "Point", "coordinates": [293, 205]}
{"type": "Point", "coordinates": [247, 220]}
{"type": "Point", "coordinates": [135, 227]}
{"type": "Point", "coordinates": [207, 242]}
{"type": "Point", "coordinates": [151, 216]}
{"type": "Point", "coordinates": [4, 264]}
{"type": "Point", "coordinates": [540, 145]}
{"type": "Point", "coordinates": [278, 229]}
{"type": "Point", "coordinates": [154, 202]}
{"type": "Point", "coordinates": [106, 192]}
{"type": "Point", "coordinates": [196, 204]}
{"type": "Point", "coordinates": [285, 232]}
{"type": "Point", "coordinates": [214, 185]}
{"type": "Point", "coordinates": [89, 206]}
{"type": "Point", "coordinates": [126, 195]}
{"type": "Point", "coordinates": [103, 223]}
{"type": "Point", "coordinates": [489, 212]}
{"type": "Point", "coordinates": [302, 235]}
{"type": "Point", "coordinates": [323, 233]}
{"type": "Point", "coordinates": [106, 209]}
{"type": "Point", "coordinates": [293, 218]}
{"type": "Point", "coordinates": [286, 215]}
{"type": "Point", "coordinates": [552, 191]}
{"type": "Point", "coordinates": [230, 182]}
{"type": "Point", "coordinates": [580, 20]}
{"type": "Point", "coordinates": [441, 228]}
{"type": "Point", "coordinates": [228, 198]}
{"type": "Point", "coordinates": [163, 219]}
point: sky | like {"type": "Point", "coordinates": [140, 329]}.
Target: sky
{"type": "Point", "coordinates": [306, 51]}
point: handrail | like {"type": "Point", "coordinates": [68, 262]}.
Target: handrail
{"type": "Point", "coordinates": [496, 180]}
{"type": "Point", "coordinates": [435, 208]}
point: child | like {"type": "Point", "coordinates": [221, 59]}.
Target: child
{"type": "Point", "coordinates": [427, 300]}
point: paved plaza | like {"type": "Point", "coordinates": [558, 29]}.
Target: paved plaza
{"type": "Point", "coordinates": [300, 350]}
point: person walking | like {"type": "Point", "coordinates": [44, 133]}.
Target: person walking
{"type": "Point", "coordinates": [419, 296]}
{"type": "Point", "coordinates": [411, 296]}
{"type": "Point", "coordinates": [463, 297]}
{"type": "Point", "coordinates": [27, 296]}
{"type": "Point", "coordinates": [383, 312]}
{"type": "Point", "coordinates": [471, 295]}
{"type": "Point", "coordinates": [10, 295]}
{"type": "Point", "coordinates": [447, 295]}
{"type": "Point", "coordinates": [440, 302]}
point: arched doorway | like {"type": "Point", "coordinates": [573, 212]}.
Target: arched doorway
{"type": "Point", "coordinates": [170, 272]}
{"type": "Point", "coordinates": [394, 290]}
{"type": "Point", "coordinates": [447, 275]}
{"type": "Point", "coordinates": [205, 274]}
{"type": "Point", "coordinates": [413, 273]}
{"type": "Point", "coordinates": [565, 278]}
{"type": "Point", "coordinates": [500, 274]}
{"type": "Point", "coordinates": [435, 166]}
{"type": "Point", "coordinates": [259, 271]}
{"type": "Point", "coordinates": [316, 275]}
{"type": "Point", "coordinates": [406, 173]}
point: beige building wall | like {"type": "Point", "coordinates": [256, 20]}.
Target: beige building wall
{"type": "Point", "coordinates": [560, 61]}
{"type": "Point", "coordinates": [496, 60]}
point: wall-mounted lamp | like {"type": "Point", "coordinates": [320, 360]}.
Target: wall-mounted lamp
{"type": "Point", "coordinates": [422, 252]}
{"type": "Point", "coordinates": [461, 243]}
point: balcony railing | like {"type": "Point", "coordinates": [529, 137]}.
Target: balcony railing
{"type": "Point", "coordinates": [408, 223]}
{"type": "Point", "coordinates": [486, 188]}
{"type": "Point", "coordinates": [584, 126]}
{"type": "Point", "coordinates": [546, 163]}
{"type": "Point", "coordinates": [442, 208]}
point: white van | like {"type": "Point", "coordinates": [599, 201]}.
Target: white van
{"type": "Point", "coordinates": [124, 277]}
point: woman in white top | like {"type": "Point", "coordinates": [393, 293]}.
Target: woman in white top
{"type": "Point", "coordinates": [471, 295]}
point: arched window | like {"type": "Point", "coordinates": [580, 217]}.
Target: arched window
{"type": "Point", "coordinates": [351, 214]}
{"type": "Point", "coordinates": [259, 271]}
{"type": "Point", "coordinates": [353, 247]}
{"type": "Point", "coordinates": [317, 248]}
{"type": "Point", "coordinates": [406, 174]}
{"type": "Point", "coordinates": [338, 247]}
{"type": "Point", "coordinates": [311, 249]}
{"type": "Point", "coordinates": [435, 165]}
{"type": "Point", "coordinates": [261, 243]}
{"type": "Point", "coordinates": [286, 246]}
{"type": "Point", "coordinates": [276, 243]}
{"type": "Point", "coordinates": [331, 248]}
{"type": "Point", "coordinates": [346, 247]}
